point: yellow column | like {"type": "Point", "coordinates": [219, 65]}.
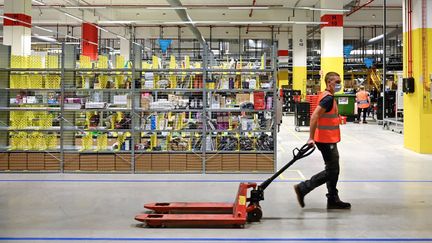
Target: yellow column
{"type": "Point", "coordinates": [299, 58]}
{"type": "Point", "coordinates": [283, 75]}
{"type": "Point", "coordinates": [418, 105]}
{"type": "Point", "coordinates": [331, 41]}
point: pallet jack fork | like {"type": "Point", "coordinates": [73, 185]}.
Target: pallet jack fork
{"type": "Point", "coordinates": [217, 213]}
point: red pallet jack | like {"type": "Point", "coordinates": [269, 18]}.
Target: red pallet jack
{"type": "Point", "coordinates": [217, 213]}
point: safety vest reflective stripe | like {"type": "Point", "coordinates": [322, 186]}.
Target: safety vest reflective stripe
{"type": "Point", "coordinates": [328, 127]}
{"type": "Point", "coordinates": [329, 116]}
{"type": "Point", "coordinates": [362, 99]}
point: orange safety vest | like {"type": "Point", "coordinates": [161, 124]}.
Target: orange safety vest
{"type": "Point", "coordinates": [362, 99]}
{"type": "Point", "coordinates": [327, 130]}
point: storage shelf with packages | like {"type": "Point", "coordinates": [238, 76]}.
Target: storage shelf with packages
{"type": "Point", "coordinates": [162, 115]}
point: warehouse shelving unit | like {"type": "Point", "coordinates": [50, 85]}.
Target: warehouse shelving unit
{"type": "Point", "coordinates": [125, 120]}
{"type": "Point", "coordinates": [29, 113]}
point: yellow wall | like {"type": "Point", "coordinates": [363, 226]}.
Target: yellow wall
{"type": "Point", "coordinates": [299, 79]}
{"type": "Point", "coordinates": [283, 78]}
{"type": "Point", "coordinates": [331, 64]}
{"type": "Point", "coordinates": [418, 106]}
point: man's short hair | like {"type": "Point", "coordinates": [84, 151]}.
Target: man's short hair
{"type": "Point", "coordinates": [330, 74]}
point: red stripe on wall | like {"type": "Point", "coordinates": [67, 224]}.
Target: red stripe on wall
{"type": "Point", "coordinates": [333, 20]}
{"type": "Point", "coordinates": [20, 20]}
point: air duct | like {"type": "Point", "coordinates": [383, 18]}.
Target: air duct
{"type": "Point", "coordinates": [181, 12]}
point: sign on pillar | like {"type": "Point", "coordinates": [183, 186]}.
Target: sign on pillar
{"type": "Point", "coordinates": [90, 41]}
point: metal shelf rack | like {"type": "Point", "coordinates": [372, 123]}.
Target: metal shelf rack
{"type": "Point", "coordinates": [69, 155]}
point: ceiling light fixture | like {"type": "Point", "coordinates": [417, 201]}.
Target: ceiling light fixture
{"type": "Point", "coordinates": [309, 23]}
{"type": "Point", "coordinates": [38, 2]}
{"type": "Point", "coordinates": [44, 38]}
{"type": "Point", "coordinates": [41, 28]}
{"type": "Point", "coordinates": [72, 37]}
{"type": "Point", "coordinates": [121, 37]}
{"type": "Point", "coordinates": [248, 7]}
{"type": "Point", "coordinates": [179, 22]}
{"type": "Point", "coordinates": [6, 17]}
{"type": "Point", "coordinates": [136, 43]}
{"type": "Point", "coordinates": [279, 22]}
{"type": "Point", "coordinates": [71, 16]}
{"type": "Point", "coordinates": [101, 28]}
{"type": "Point", "coordinates": [246, 22]}
{"type": "Point", "coordinates": [166, 8]}
{"type": "Point", "coordinates": [85, 7]}
{"type": "Point", "coordinates": [323, 9]}
{"type": "Point", "coordinates": [116, 22]}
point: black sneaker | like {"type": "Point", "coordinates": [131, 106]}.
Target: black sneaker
{"type": "Point", "coordinates": [364, 122]}
{"type": "Point", "coordinates": [356, 121]}
{"type": "Point", "coordinates": [337, 204]}
{"type": "Point", "coordinates": [300, 196]}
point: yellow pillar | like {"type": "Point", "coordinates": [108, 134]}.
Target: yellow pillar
{"type": "Point", "coordinates": [418, 105]}
{"type": "Point", "coordinates": [331, 41]}
{"type": "Point", "coordinates": [283, 75]}
{"type": "Point", "coordinates": [299, 58]}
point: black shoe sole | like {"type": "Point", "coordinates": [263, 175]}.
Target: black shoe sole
{"type": "Point", "coordinates": [300, 199]}
{"type": "Point", "coordinates": [338, 208]}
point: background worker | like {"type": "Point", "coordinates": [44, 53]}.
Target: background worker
{"type": "Point", "coordinates": [363, 103]}
{"type": "Point", "coordinates": [325, 134]}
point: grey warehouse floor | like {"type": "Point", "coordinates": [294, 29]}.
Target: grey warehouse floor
{"type": "Point", "coordinates": [390, 189]}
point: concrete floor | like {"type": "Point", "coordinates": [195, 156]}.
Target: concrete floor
{"type": "Point", "coordinates": [389, 188]}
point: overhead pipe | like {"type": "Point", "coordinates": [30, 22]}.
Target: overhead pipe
{"type": "Point", "coordinates": [410, 61]}
{"type": "Point", "coordinates": [250, 15]}
{"type": "Point", "coordinates": [426, 85]}
{"type": "Point", "coordinates": [359, 7]}
{"type": "Point", "coordinates": [185, 17]}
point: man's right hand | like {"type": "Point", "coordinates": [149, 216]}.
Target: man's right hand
{"type": "Point", "coordinates": [311, 142]}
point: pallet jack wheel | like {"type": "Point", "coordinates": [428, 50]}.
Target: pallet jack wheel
{"type": "Point", "coordinates": [255, 215]}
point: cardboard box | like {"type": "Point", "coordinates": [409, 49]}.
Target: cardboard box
{"type": "Point", "coordinates": [71, 161]}
{"type": "Point", "coordinates": [4, 161]}
{"type": "Point", "coordinates": [248, 162]}
{"type": "Point", "coordinates": [88, 162]}
{"type": "Point", "coordinates": [160, 162]}
{"type": "Point", "coordinates": [177, 162]}
{"type": "Point", "coordinates": [123, 162]}
{"type": "Point", "coordinates": [265, 163]}
{"type": "Point", "coordinates": [143, 162]}
{"type": "Point", "coordinates": [230, 162]}
{"type": "Point", "coordinates": [213, 162]}
{"type": "Point", "coordinates": [106, 162]}
{"type": "Point", "coordinates": [36, 161]}
{"type": "Point", "coordinates": [194, 163]}
{"type": "Point", "coordinates": [52, 161]}
{"type": "Point", "coordinates": [18, 161]}
{"type": "Point", "coordinates": [241, 98]}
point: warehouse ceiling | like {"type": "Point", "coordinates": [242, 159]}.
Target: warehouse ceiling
{"type": "Point", "coordinates": [220, 18]}
{"type": "Point", "coordinates": [220, 12]}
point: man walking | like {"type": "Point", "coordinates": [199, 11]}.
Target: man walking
{"type": "Point", "coordinates": [325, 134]}
{"type": "Point", "coordinates": [363, 102]}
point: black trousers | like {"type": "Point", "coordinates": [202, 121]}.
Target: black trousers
{"type": "Point", "coordinates": [329, 175]}
{"type": "Point", "coordinates": [359, 110]}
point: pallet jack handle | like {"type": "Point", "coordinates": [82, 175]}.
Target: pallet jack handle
{"type": "Point", "coordinates": [304, 151]}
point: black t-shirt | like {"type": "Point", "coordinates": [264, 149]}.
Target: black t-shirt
{"type": "Point", "coordinates": [327, 103]}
